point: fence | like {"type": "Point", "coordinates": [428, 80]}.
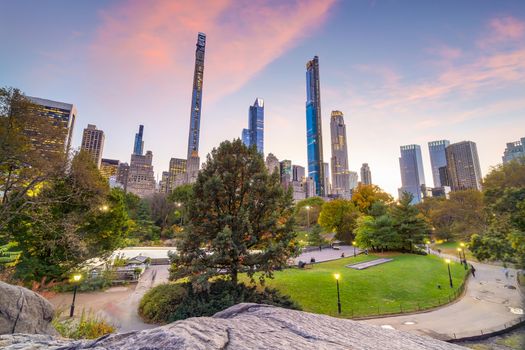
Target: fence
{"type": "Point", "coordinates": [486, 333]}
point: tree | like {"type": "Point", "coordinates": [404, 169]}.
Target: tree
{"type": "Point", "coordinates": [364, 196]}
{"type": "Point", "coordinates": [377, 233]}
{"type": "Point", "coordinates": [302, 213]}
{"type": "Point", "coordinates": [314, 237]}
{"type": "Point", "coordinates": [73, 218]}
{"type": "Point", "coordinates": [409, 224]}
{"type": "Point", "coordinates": [23, 169]}
{"type": "Point", "coordinates": [240, 219]}
{"type": "Point", "coordinates": [340, 216]}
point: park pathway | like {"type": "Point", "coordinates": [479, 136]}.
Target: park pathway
{"type": "Point", "coordinates": [491, 302]}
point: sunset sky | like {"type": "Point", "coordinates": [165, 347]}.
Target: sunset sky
{"type": "Point", "coordinates": [402, 72]}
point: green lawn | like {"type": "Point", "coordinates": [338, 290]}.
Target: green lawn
{"type": "Point", "coordinates": [408, 283]}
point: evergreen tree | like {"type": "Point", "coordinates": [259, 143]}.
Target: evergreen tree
{"type": "Point", "coordinates": [409, 224]}
{"type": "Point", "coordinates": [240, 219]}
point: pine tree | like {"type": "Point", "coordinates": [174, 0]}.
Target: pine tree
{"type": "Point", "coordinates": [409, 224]}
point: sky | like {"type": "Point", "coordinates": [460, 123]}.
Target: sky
{"type": "Point", "coordinates": [402, 72]}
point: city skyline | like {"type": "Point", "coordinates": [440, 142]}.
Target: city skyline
{"type": "Point", "coordinates": [459, 78]}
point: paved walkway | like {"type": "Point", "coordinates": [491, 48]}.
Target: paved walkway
{"type": "Point", "coordinates": [487, 305]}
{"type": "Point", "coordinates": [327, 254]}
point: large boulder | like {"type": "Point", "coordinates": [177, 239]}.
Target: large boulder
{"type": "Point", "coordinates": [24, 311]}
{"type": "Point", "coordinates": [246, 326]}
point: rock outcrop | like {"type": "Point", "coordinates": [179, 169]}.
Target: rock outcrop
{"type": "Point", "coordinates": [246, 326]}
{"type": "Point", "coordinates": [24, 311]}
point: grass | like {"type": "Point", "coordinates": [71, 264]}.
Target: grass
{"type": "Point", "coordinates": [88, 326]}
{"type": "Point", "coordinates": [408, 283]}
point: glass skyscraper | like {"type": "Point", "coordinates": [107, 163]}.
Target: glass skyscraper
{"type": "Point", "coordinates": [412, 175]}
{"type": "Point", "coordinates": [314, 135]}
{"type": "Point", "coordinates": [463, 166]}
{"type": "Point", "coordinates": [438, 159]}
{"type": "Point", "coordinates": [254, 135]}
{"type": "Point", "coordinates": [138, 147]}
{"type": "Point", "coordinates": [340, 173]}
{"type": "Point", "coordinates": [196, 98]}
{"type": "Point", "coordinates": [246, 137]}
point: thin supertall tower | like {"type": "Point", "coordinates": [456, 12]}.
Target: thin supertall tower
{"type": "Point", "coordinates": [314, 134]}
{"type": "Point", "coordinates": [340, 173]}
{"type": "Point", "coordinates": [196, 98]}
{"type": "Point", "coordinates": [138, 145]}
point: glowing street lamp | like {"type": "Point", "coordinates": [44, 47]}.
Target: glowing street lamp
{"type": "Point", "coordinates": [76, 278]}
{"type": "Point", "coordinates": [338, 296]}
{"type": "Point", "coordinates": [104, 208]}
{"type": "Point", "coordinates": [460, 257]}
{"type": "Point", "coordinates": [354, 243]}
{"type": "Point", "coordinates": [179, 204]}
{"type": "Point", "coordinates": [449, 275]}
{"type": "Point", "coordinates": [464, 256]}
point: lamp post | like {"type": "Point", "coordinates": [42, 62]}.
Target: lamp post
{"type": "Point", "coordinates": [460, 257]}
{"type": "Point", "coordinates": [338, 296]}
{"type": "Point", "coordinates": [76, 279]}
{"type": "Point", "coordinates": [307, 217]}
{"type": "Point", "coordinates": [464, 256]}
{"type": "Point", "coordinates": [353, 243]}
{"type": "Point", "coordinates": [179, 204]}
{"type": "Point", "coordinates": [449, 275]}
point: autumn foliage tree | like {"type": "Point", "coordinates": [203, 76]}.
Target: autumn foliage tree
{"type": "Point", "coordinates": [240, 219]}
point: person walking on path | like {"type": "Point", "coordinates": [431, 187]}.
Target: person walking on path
{"type": "Point", "coordinates": [472, 270]}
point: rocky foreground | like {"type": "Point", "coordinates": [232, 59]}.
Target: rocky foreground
{"type": "Point", "coordinates": [244, 326]}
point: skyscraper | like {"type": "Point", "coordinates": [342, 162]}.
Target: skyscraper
{"type": "Point", "coordinates": [53, 137]}
{"type": "Point", "coordinates": [514, 150]}
{"type": "Point", "coordinates": [412, 175]}
{"type": "Point", "coordinates": [193, 160]}
{"type": "Point", "coordinates": [298, 173]}
{"type": "Point", "coordinates": [327, 184]}
{"type": "Point", "coordinates": [246, 137]}
{"type": "Point", "coordinates": [93, 143]}
{"type": "Point", "coordinates": [141, 178]}
{"type": "Point", "coordinates": [109, 167]}
{"type": "Point", "coordinates": [138, 146]}
{"type": "Point", "coordinates": [314, 134]}
{"type": "Point", "coordinates": [286, 172]}
{"type": "Point", "coordinates": [340, 173]}
{"type": "Point", "coordinates": [438, 159]}
{"type": "Point", "coordinates": [463, 166]}
{"type": "Point", "coordinates": [272, 163]}
{"type": "Point", "coordinates": [196, 98]}
{"type": "Point", "coordinates": [366, 174]}
{"type": "Point", "coordinates": [256, 121]}
{"type": "Point", "coordinates": [177, 173]}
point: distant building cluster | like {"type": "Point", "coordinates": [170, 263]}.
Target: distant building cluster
{"type": "Point", "coordinates": [455, 166]}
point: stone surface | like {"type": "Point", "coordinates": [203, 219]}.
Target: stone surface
{"type": "Point", "coordinates": [24, 311]}
{"type": "Point", "coordinates": [247, 326]}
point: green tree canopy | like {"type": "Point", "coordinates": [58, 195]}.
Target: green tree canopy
{"type": "Point", "coordinates": [240, 219]}
{"type": "Point", "coordinates": [340, 216]}
{"type": "Point", "coordinates": [409, 223]}
{"type": "Point", "coordinates": [377, 233]}
{"type": "Point", "coordinates": [308, 208]}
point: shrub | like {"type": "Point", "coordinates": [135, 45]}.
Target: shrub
{"type": "Point", "coordinates": [171, 302]}
{"type": "Point", "coordinates": [88, 326]}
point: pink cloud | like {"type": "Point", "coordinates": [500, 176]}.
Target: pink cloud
{"type": "Point", "coordinates": [156, 40]}
{"type": "Point", "coordinates": [502, 30]}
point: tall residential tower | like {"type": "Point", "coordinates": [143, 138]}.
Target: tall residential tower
{"type": "Point", "coordinates": [254, 135]}
{"type": "Point", "coordinates": [412, 175]}
{"type": "Point", "coordinates": [340, 173]}
{"type": "Point", "coordinates": [93, 143]}
{"type": "Point", "coordinates": [196, 106]}
{"type": "Point", "coordinates": [138, 146]}
{"type": "Point", "coordinates": [314, 134]}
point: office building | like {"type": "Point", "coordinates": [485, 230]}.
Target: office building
{"type": "Point", "coordinates": [514, 150]}
{"type": "Point", "coordinates": [177, 173]}
{"type": "Point", "coordinates": [53, 136]}
{"type": "Point", "coordinates": [352, 180]}
{"type": "Point", "coordinates": [438, 159]}
{"type": "Point", "coordinates": [340, 173]}
{"type": "Point", "coordinates": [93, 143]}
{"type": "Point", "coordinates": [286, 172]}
{"type": "Point", "coordinates": [412, 175]}
{"type": "Point", "coordinates": [272, 163]}
{"type": "Point", "coordinates": [109, 167]}
{"type": "Point", "coordinates": [164, 182]}
{"type": "Point", "coordinates": [246, 137]}
{"type": "Point", "coordinates": [256, 125]}
{"type": "Point", "coordinates": [138, 145]}
{"type": "Point", "coordinates": [366, 174]}
{"type": "Point", "coordinates": [123, 175]}
{"type": "Point", "coordinates": [463, 167]}
{"type": "Point", "coordinates": [314, 134]}
{"type": "Point", "coordinates": [141, 178]}
{"type": "Point", "coordinates": [309, 188]}
{"type": "Point", "coordinates": [298, 173]}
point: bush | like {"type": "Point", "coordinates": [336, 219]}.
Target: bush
{"type": "Point", "coordinates": [88, 284]}
{"type": "Point", "coordinates": [171, 302]}
{"type": "Point", "coordinates": [88, 326]}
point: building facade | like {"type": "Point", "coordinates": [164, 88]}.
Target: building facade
{"type": "Point", "coordinates": [272, 163]}
{"type": "Point", "coordinates": [340, 173]}
{"type": "Point", "coordinates": [246, 137]}
{"type": "Point", "coordinates": [141, 178]}
{"type": "Point", "coordinates": [366, 174]}
{"type": "Point", "coordinates": [177, 173]}
{"type": "Point", "coordinates": [196, 97]}
{"type": "Point", "coordinates": [314, 134]}
{"type": "Point", "coordinates": [463, 167]}
{"type": "Point", "coordinates": [138, 145]}
{"type": "Point", "coordinates": [438, 159]}
{"type": "Point", "coordinates": [514, 150]}
{"type": "Point", "coordinates": [53, 136]}
{"type": "Point", "coordinates": [298, 173]}
{"type": "Point", "coordinates": [93, 143]}
{"type": "Point", "coordinates": [286, 172]}
{"type": "Point", "coordinates": [164, 182]}
{"type": "Point", "coordinates": [412, 175]}
{"type": "Point", "coordinates": [109, 167]}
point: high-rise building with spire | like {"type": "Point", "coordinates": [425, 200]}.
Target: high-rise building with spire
{"type": "Point", "coordinates": [138, 147]}
{"type": "Point", "coordinates": [314, 134]}
{"type": "Point", "coordinates": [193, 163]}
{"type": "Point", "coordinates": [340, 173]}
